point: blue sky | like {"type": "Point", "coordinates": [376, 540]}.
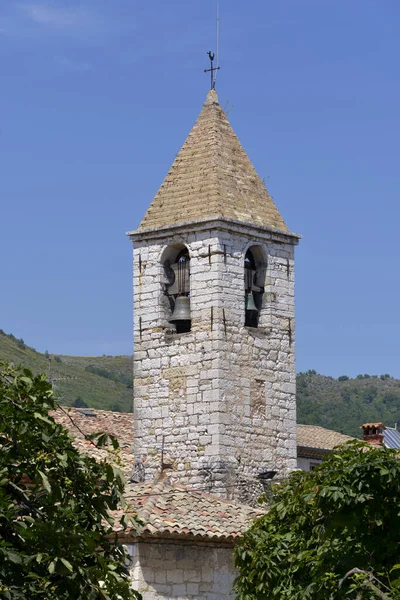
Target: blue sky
{"type": "Point", "coordinates": [98, 96]}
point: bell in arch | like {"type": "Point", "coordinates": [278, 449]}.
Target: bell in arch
{"type": "Point", "coordinates": [250, 304]}
{"type": "Point", "coordinates": [252, 312]}
{"type": "Point", "coordinates": [180, 290]}
{"type": "Point", "coordinates": [181, 310]}
{"type": "Point", "coordinates": [181, 315]}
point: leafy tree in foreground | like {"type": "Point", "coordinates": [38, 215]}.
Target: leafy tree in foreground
{"type": "Point", "coordinates": [333, 533]}
{"type": "Point", "coordinates": [56, 537]}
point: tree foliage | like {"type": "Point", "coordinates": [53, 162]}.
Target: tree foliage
{"type": "Point", "coordinates": [56, 539]}
{"type": "Point", "coordinates": [329, 534]}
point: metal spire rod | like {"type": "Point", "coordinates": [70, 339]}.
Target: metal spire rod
{"type": "Point", "coordinates": [217, 36]}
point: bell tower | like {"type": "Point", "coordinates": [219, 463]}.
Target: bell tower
{"type": "Point", "coordinates": [214, 355]}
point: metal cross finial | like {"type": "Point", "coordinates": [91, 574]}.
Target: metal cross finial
{"type": "Point", "coordinates": [211, 56]}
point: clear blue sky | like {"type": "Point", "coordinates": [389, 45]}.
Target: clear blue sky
{"type": "Point", "coordinates": [98, 96]}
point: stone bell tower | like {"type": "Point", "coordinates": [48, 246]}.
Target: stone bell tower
{"type": "Point", "coordinates": [214, 356]}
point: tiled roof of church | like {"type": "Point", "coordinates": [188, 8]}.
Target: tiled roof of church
{"type": "Point", "coordinates": [212, 177]}
{"type": "Point", "coordinates": [167, 509]}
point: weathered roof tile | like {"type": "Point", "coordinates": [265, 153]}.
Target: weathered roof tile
{"type": "Point", "coordinates": [172, 509]}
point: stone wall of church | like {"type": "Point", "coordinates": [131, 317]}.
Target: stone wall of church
{"type": "Point", "coordinates": [168, 570]}
{"type": "Point", "coordinates": [221, 398]}
{"type": "Point", "coordinates": [175, 399]}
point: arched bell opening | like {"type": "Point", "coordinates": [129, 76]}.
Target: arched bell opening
{"type": "Point", "coordinates": [176, 264]}
{"type": "Point", "coordinates": [254, 281]}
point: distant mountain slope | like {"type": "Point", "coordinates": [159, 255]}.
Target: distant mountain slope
{"type": "Point", "coordinates": [344, 404]}
{"type": "Point", "coordinates": [96, 381]}
{"type": "Point", "coordinates": [105, 382]}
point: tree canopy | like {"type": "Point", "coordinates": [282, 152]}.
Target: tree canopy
{"type": "Point", "coordinates": [56, 534]}
{"type": "Point", "coordinates": [329, 534]}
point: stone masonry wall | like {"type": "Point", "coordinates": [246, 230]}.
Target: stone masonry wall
{"type": "Point", "coordinates": [220, 398]}
{"type": "Point", "coordinates": [162, 570]}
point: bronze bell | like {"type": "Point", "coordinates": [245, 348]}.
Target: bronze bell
{"type": "Point", "coordinates": [250, 304]}
{"type": "Point", "coordinates": [181, 310]}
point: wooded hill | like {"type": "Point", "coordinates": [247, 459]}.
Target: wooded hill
{"type": "Point", "coordinates": [344, 404]}
{"type": "Point", "coordinates": [105, 382]}
{"type": "Point", "coordinates": [93, 381]}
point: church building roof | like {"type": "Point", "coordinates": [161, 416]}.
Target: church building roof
{"type": "Point", "coordinates": [166, 509]}
{"type": "Point", "coordinates": [212, 177]}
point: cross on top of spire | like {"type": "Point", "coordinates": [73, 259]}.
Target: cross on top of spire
{"type": "Point", "coordinates": [212, 70]}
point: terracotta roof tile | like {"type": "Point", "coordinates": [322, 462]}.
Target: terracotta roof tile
{"type": "Point", "coordinates": [212, 177]}
{"type": "Point", "coordinates": [171, 509]}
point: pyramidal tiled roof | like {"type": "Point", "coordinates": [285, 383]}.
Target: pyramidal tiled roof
{"type": "Point", "coordinates": [212, 177]}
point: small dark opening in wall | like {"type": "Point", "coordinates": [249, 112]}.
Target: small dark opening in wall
{"type": "Point", "coordinates": [251, 319]}
{"type": "Point", "coordinates": [183, 326]}
{"type": "Point", "coordinates": [253, 293]}
{"type": "Point", "coordinates": [265, 478]}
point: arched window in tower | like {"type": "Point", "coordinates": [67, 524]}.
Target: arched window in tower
{"type": "Point", "coordinates": [254, 278]}
{"type": "Point", "coordinates": [177, 270]}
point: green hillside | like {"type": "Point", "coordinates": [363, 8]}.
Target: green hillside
{"type": "Point", "coordinates": [95, 381]}
{"type": "Point", "coordinates": [341, 404]}
{"type": "Point", "coordinates": [344, 404]}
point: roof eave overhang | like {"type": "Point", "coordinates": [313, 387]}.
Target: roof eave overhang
{"type": "Point", "coordinates": [147, 537]}
{"type": "Point", "coordinates": [221, 223]}
{"type": "Point", "coordinates": [310, 452]}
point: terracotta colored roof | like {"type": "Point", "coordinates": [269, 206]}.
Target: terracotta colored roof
{"type": "Point", "coordinates": [212, 177]}
{"type": "Point", "coordinates": [373, 425]}
{"type": "Point", "coordinates": [82, 421]}
{"type": "Point", "coordinates": [319, 438]}
{"type": "Point", "coordinates": [167, 509]}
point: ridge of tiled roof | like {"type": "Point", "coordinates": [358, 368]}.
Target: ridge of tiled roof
{"type": "Point", "coordinates": [319, 438]}
{"type": "Point", "coordinates": [167, 509]}
{"type": "Point", "coordinates": [212, 177]}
